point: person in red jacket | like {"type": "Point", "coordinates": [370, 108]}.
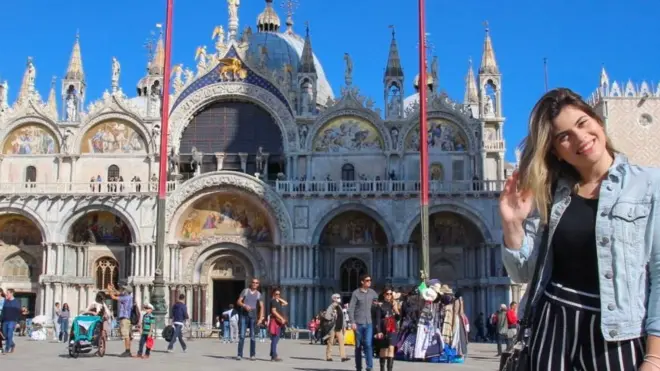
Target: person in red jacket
{"type": "Point", "coordinates": [512, 322]}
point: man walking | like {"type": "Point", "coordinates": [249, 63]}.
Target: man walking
{"type": "Point", "coordinates": [178, 316]}
{"type": "Point", "coordinates": [251, 313]}
{"type": "Point", "coordinates": [335, 315]}
{"type": "Point", "coordinates": [125, 301]}
{"type": "Point", "coordinates": [359, 312]}
{"type": "Point", "coordinates": [11, 314]}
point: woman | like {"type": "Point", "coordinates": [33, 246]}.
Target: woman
{"type": "Point", "coordinates": [98, 308]}
{"type": "Point", "coordinates": [277, 320]}
{"type": "Point", "coordinates": [386, 314]}
{"type": "Point", "coordinates": [2, 304]}
{"type": "Point", "coordinates": [595, 307]}
{"type": "Point", "coordinates": [63, 320]}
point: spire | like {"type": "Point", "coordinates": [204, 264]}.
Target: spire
{"type": "Point", "coordinates": [290, 6]}
{"type": "Point", "coordinates": [471, 92]}
{"type": "Point", "coordinates": [27, 90]}
{"type": "Point", "coordinates": [51, 105]}
{"type": "Point", "coordinates": [604, 79]}
{"type": "Point", "coordinates": [75, 70]}
{"type": "Point", "coordinates": [393, 68]}
{"type": "Point", "coordinates": [157, 64]}
{"type": "Point", "coordinates": [232, 6]}
{"type": "Point", "coordinates": [307, 61]}
{"type": "Point", "coordinates": [268, 20]}
{"type": "Point", "coordinates": [488, 62]}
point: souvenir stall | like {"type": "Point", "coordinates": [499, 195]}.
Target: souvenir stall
{"type": "Point", "coordinates": [433, 326]}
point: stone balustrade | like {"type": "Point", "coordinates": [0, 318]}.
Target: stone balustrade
{"type": "Point", "coordinates": [494, 145]}
{"type": "Point", "coordinates": [91, 188]}
{"type": "Point", "coordinates": [385, 187]}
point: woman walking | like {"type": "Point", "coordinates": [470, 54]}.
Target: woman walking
{"type": "Point", "coordinates": [386, 316]}
{"type": "Point", "coordinates": [276, 322]}
{"type": "Point", "coordinates": [596, 306]}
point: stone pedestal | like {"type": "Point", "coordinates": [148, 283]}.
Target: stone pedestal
{"type": "Point", "coordinates": [243, 156]}
{"type": "Point", "coordinates": [219, 158]}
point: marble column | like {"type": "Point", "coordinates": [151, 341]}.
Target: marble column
{"type": "Point", "coordinates": [203, 304]}
{"type": "Point", "coordinates": [317, 267]}
{"type": "Point", "coordinates": [243, 156]}
{"type": "Point", "coordinates": [310, 302]}
{"type": "Point", "coordinates": [264, 173]}
{"type": "Point", "coordinates": [219, 160]}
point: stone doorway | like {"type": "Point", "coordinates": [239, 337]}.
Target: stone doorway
{"type": "Point", "coordinates": [225, 292]}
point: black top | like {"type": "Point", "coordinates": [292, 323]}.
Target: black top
{"type": "Point", "coordinates": [339, 322]}
{"type": "Point", "coordinates": [277, 306]}
{"type": "Point", "coordinates": [380, 313]}
{"type": "Point", "coordinates": [575, 262]}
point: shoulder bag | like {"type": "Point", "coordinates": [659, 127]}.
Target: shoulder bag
{"type": "Point", "coordinates": [518, 358]}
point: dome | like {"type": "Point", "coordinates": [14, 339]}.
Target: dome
{"type": "Point", "coordinates": [410, 101]}
{"type": "Point", "coordinates": [286, 48]}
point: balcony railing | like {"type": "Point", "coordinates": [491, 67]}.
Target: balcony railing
{"type": "Point", "coordinates": [494, 145]}
{"type": "Point", "coordinates": [91, 188]}
{"type": "Point", "coordinates": [385, 187]}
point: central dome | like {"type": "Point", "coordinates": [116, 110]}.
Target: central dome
{"type": "Point", "coordinates": [286, 48]}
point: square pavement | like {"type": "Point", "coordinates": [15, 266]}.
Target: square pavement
{"type": "Point", "coordinates": [211, 354]}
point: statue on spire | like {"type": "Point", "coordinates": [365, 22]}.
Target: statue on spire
{"type": "Point", "coordinates": [348, 74]}
{"type": "Point", "coordinates": [232, 6]}
{"type": "Point", "coordinates": [116, 71]}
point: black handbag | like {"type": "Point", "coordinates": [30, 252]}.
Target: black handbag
{"type": "Point", "coordinates": [518, 358]}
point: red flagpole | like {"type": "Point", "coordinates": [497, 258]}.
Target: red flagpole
{"type": "Point", "coordinates": [158, 292]}
{"type": "Point", "coordinates": [424, 149]}
{"type": "Point", "coordinates": [165, 113]}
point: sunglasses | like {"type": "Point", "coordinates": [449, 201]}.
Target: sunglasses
{"type": "Point", "coordinates": [388, 293]}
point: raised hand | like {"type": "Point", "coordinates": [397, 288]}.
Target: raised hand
{"type": "Point", "coordinates": [515, 204]}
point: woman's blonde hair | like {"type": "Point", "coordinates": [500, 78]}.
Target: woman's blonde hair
{"type": "Point", "coordinates": [539, 167]}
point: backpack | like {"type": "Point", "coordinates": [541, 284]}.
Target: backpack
{"type": "Point", "coordinates": [168, 333]}
{"type": "Point", "coordinates": [135, 315]}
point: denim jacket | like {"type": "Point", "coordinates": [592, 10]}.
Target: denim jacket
{"type": "Point", "coordinates": [628, 249]}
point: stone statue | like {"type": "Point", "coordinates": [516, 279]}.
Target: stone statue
{"type": "Point", "coordinates": [307, 98]}
{"type": "Point", "coordinates": [233, 8]}
{"type": "Point", "coordinates": [155, 134]}
{"type": "Point", "coordinates": [302, 133]}
{"type": "Point", "coordinates": [219, 37]}
{"type": "Point", "coordinates": [394, 132]}
{"type": "Point", "coordinates": [4, 94]}
{"type": "Point", "coordinates": [154, 99]}
{"type": "Point", "coordinates": [31, 74]}
{"type": "Point", "coordinates": [369, 104]}
{"type": "Point", "coordinates": [488, 106]}
{"type": "Point", "coordinates": [189, 75]}
{"type": "Point", "coordinates": [177, 83]}
{"type": "Point", "coordinates": [260, 159]}
{"type": "Point", "coordinates": [434, 68]}
{"type": "Point", "coordinates": [201, 58]}
{"type": "Point", "coordinates": [196, 160]}
{"type": "Point", "coordinates": [348, 73]}
{"type": "Point", "coordinates": [116, 71]}
{"type": "Point", "coordinates": [71, 107]}
{"type": "Point", "coordinates": [174, 161]}
{"type": "Point", "coordinates": [66, 141]}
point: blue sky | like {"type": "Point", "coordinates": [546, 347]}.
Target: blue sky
{"type": "Point", "coordinates": [577, 37]}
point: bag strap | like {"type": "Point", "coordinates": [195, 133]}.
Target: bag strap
{"type": "Point", "coordinates": [544, 247]}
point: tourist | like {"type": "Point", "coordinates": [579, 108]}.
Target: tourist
{"type": "Point", "coordinates": [99, 308]}
{"type": "Point", "coordinates": [250, 315]}
{"type": "Point", "coordinates": [276, 322]}
{"type": "Point", "coordinates": [178, 317]}
{"type": "Point", "coordinates": [596, 215]}
{"type": "Point", "coordinates": [2, 304]}
{"type": "Point", "coordinates": [335, 316]}
{"type": "Point", "coordinates": [359, 311]}
{"type": "Point", "coordinates": [57, 334]}
{"type": "Point", "coordinates": [11, 314]}
{"type": "Point", "coordinates": [146, 331]}
{"type": "Point", "coordinates": [63, 320]}
{"type": "Point", "coordinates": [386, 315]}
{"type": "Point", "coordinates": [502, 326]}
{"type": "Point", "coordinates": [231, 324]}
{"type": "Point", "coordinates": [125, 299]}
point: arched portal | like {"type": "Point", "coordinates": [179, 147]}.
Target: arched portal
{"type": "Point", "coordinates": [100, 228]}
{"type": "Point", "coordinates": [19, 267]}
{"type": "Point", "coordinates": [18, 230]}
{"type": "Point", "coordinates": [349, 272]}
{"type": "Point", "coordinates": [458, 257]}
{"type": "Point", "coordinates": [357, 235]}
{"type": "Point", "coordinates": [234, 128]}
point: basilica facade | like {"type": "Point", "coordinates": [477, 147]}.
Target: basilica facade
{"type": "Point", "coordinates": [272, 174]}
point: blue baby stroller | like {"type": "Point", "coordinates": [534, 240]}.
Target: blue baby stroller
{"type": "Point", "coordinates": [87, 334]}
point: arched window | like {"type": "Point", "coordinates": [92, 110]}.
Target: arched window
{"type": "Point", "coordinates": [113, 173]}
{"type": "Point", "coordinates": [17, 266]}
{"type": "Point", "coordinates": [350, 272]}
{"type": "Point", "coordinates": [348, 172]}
{"type": "Point", "coordinates": [31, 174]}
{"type": "Point", "coordinates": [107, 272]}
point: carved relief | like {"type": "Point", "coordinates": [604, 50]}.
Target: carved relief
{"type": "Point", "coordinates": [300, 217]}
